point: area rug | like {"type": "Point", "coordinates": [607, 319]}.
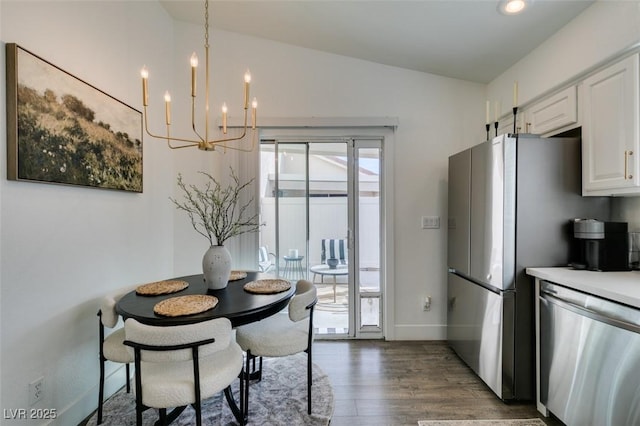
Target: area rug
{"type": "Point", "coordinates": [279, 399]}
{"type": "Point", "coordinates": [496, 422]}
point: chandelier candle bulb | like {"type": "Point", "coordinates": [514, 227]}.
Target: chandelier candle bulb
{"type": "Point", "coordinates": [224, 117]}
{"type": "Point", "coordinates": [254, 107]}
{"type": "Point", "coordinates": [144, 73]}
{"type": "Point", "coordinates": [247, 81]}
{"type": "Point", "coordinates": [167, 107]}
{"type": "Point", "coordinates": [194, 66]}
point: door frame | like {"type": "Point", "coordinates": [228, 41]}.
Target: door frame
{"type": "Point", "coordinates": [319, 129]}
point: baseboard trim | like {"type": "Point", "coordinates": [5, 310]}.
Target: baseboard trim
{"type": "Point", "coordinates": [419, 332]}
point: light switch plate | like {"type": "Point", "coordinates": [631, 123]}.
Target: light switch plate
{"type": "Point", "coordinates": [430, 222]}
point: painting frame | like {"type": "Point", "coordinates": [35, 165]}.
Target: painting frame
{"type": "Point", "coordinates": [63, 130]}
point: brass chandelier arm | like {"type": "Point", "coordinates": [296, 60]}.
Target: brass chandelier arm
{"type": "Point", "coordinates": [189, 142]}
{"type": "Point", "coordinates": [201, 143]}
{"type": "Point", "coordinates": [211, 145]}
{"type": "Point", "coordinates": [235, 148]}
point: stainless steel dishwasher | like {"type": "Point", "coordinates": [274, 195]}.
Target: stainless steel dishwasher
{"type": "Point", "coordinates": [589, 358]}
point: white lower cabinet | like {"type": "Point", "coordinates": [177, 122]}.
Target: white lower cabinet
{"type": "Point", "coordinates": [611, 129]}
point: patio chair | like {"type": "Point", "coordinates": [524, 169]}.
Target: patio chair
{"type": "Point", "coordinates": [334, 249]}
{"type": "Point", "coordinates": [266, 259]}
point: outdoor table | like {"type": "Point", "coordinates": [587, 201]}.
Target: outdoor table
{"type": "Point", "coordinates": [293, 267]}
{"type": "Point", "coordinates": [323, 270]}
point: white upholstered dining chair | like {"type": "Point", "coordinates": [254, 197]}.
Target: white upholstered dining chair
{"type": "Point", "coordinates": [182, 365]}
{"type": "Point", "coordinates": [280, 335]}
{"type": "Point", "coordinates": [111, 347]}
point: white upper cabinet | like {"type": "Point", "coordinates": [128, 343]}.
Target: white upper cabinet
{"type": "Point", "coordinates": [610, 130]}
{"type": "Point", "coordinates": [505, 125]}
{"type": "Point", "coordinates": [555, 113]}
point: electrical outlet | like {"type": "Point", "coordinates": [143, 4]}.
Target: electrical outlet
{"type": "Point", "coordinates": [427, 303]}
{"type": "Point", "coordinates": [36, 390]}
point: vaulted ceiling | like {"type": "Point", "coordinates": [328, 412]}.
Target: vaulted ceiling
{"type": "Point", "coordinates": [465, 39]}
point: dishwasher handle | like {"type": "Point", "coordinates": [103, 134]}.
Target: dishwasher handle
{"type": "Point", "coordinates": [589, 313]}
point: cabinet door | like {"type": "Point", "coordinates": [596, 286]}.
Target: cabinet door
{"type": "Point", "coordinates": [610, 132]}
{"type": "Point", "coordinates": [553, 113]}
{"type": "Point", "coordinates": [505, 126]}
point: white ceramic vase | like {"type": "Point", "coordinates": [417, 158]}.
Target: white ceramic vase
{"type": "Point", "coordinates": [216, 267]}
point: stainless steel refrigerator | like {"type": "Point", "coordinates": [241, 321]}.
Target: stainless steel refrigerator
{"type": "Point", "coordinates": [511, 200]}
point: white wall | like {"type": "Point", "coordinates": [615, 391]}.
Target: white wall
{"type": "Point", "coordinates": [601, 31]}
{"type": "Point", "coordinates": [63, 247]}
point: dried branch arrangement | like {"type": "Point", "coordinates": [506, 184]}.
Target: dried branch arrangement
{"type": "Point", "coordinates": [215, 211]}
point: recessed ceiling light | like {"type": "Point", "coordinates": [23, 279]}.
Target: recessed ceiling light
{"type": "Point", "coordinates": [512, 7]}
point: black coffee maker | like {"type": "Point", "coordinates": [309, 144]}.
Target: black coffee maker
{"type": "Point", "coordinates": [599, 246]}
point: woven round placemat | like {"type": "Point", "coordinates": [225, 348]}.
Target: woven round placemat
{"type": "Point", "coordinates": [237, 275]}
{"type": "Point", "coordinates": [185, 305]}
{"type": "Point", "coordinates": [267, 286]}
{"type": "Point", "coordinates": [161, 287]}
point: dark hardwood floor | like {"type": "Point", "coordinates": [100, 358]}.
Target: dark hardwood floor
{"type": "Point", "coordinates": [398, 383]}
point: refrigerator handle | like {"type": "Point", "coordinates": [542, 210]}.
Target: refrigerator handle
{"type": "Point", "coordinates": [478, 282]}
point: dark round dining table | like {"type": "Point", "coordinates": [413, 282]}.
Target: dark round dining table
{"type": "Point", "coordinates": [234, 303]}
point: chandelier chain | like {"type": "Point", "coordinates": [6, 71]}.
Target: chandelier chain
{"type": "Point", "coordinates": [206, 24]}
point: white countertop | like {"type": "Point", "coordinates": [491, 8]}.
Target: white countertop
{"type": "Point", "coordinates": [621, 287]}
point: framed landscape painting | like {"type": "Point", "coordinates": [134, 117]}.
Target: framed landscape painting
{"type": "Point", "coordinates": [62, 130]}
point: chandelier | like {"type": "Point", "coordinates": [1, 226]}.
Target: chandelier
{"type": "Point", "coordinates": [201, 140]}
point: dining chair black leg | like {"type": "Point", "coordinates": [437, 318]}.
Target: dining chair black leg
{"type": "Point", "coordinates": [198, 407]}
{"type": "Point", "coordinates": [247, 376]}
{"type": "Point", "coordinates": [102, 361]}
{"type": "Point", "coordinates": [101, 391]}
{"type": "Point", "coordinates": [309, 375]}
{"type": "Point", "coordinates": [138, 415]}
{"type": "Point", "coordinates": [241, 378]}
{"type": "Point", "coordinates": [163, 416]}
{"type": "Point", "coordinates": [233, 406]}
{"type": "Point", "coordinates": [128, 378]}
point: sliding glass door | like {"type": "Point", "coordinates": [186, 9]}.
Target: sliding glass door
{"type": "Point", "coordinates": [368, 242]}
{"type": "Point", "coordinates": [320, 202]}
